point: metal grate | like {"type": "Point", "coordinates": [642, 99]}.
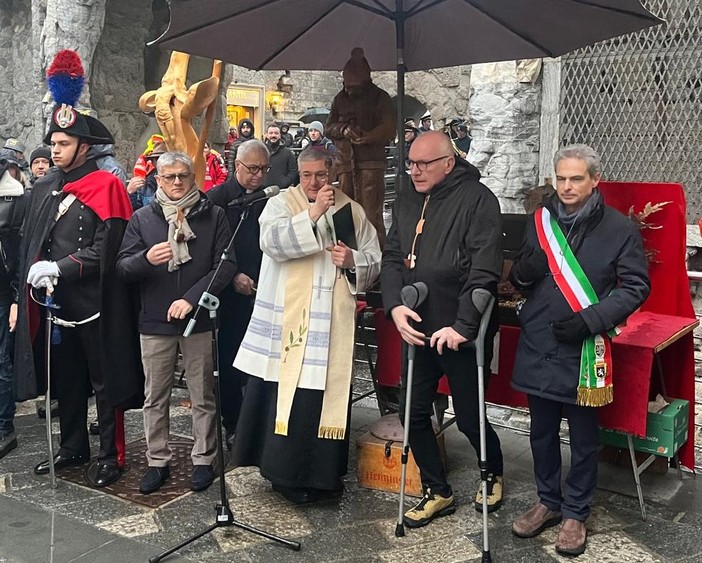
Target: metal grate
{"type": "Point", "coordinates": [637, 99]}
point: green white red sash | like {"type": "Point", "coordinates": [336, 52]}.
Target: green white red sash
{"type": "Point", "coordinates": [595, 387]}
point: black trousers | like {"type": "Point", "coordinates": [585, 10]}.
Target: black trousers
{"type": "Point", "coordinates": [235, 314]}
{"type": "Point", "coordinates": [76, 366]}
{"type": "Point", "coordinates": [574, 499]}
{"type": "Point", "coordinates": [462, 373]}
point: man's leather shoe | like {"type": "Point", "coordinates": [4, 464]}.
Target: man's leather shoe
{"type": "Point", "coordinates": [107, 474]}
{"type": "Point", "coordinates": [534, 521]}
{"type": "Point", "coordinates": [201, 478]}
{"type": "Point", "coordinates": [153, 479]}
{"type": "Point", "coordinates": [94, 428]}
{"type": "Point", "coordinates": [41, 409]}
{"type": "Point", "coordinates": [572, 537]}
{"type": "Point", "coordinates": [294, 494]}
{"type": "Point", "coordinates": [8, 442]}
{"type": "Point", "coordinates": [60, 461]}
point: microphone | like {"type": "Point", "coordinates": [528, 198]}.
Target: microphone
{"type": "Point", "coordinates": [253, 197]}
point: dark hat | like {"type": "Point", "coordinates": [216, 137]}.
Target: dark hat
{"type": "Point", "coordinates": [462, 127]}
{"type": "Point", "coordinates": [68, 120]}
{"type": "Point", "coordinates": [153, 155]}
{"type": "Point", "coordinates": [8, 156]}
{"type": "Point", "coordinates": [40, 152]}
{"type": "Point", "coordinates": [14, 145]}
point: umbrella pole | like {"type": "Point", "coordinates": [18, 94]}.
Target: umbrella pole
{"type": "Point", "coordinates": [401, 178]}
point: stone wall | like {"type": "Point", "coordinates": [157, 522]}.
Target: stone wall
{"type": "Point", "coordinates": [444, 91]}
{"type": "Point", "coordinates": [505, 115]}
{"type": "Point", "coordinates": [20, 84]}
{"type": "Point", "coordinates": [118, 76]}
{"type": "Point", "coordinates": [309, 89]}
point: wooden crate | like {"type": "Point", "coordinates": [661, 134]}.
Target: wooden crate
{"type": "Point", "coordinates": [380, 465]}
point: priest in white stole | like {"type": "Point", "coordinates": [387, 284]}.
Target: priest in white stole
{"type": "Point", "coordinates": [299, 345]}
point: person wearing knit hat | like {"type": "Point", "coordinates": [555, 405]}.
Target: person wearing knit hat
{"type": "Point", "coordinates": [361, 123]}
{"type": "Point", "coordinates": [40, 162]}
{"type": "Point", "coordinates": [74, 225]}
{"type": "Point", "coordinates": [315, 132]}
{"type": "Point", "coordinates": [316, 126]}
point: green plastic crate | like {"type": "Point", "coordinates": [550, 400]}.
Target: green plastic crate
{"type": "Point", "coordinates": [666, 431]}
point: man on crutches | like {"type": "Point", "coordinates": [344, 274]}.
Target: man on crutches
{"type": "Point", "coordinates": [446, 233]}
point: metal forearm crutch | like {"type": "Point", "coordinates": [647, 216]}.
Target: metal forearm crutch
{"type": "Point", "coordinates": [483, 301]}
{"type": "Point", "coordinates": [412, 297]}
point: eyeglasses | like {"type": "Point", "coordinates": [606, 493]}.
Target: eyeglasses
{"type": "Point", "coordinates": [170, 178]}
{"type": "Point", "coordinates": [255, 169]}
{"type": "Point", "coordinates": [422, 165]}
{"type": "Point", "coordinates": [319, 176]}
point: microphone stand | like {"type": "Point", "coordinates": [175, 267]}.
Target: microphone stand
{"type": "Point", "coordinates": [224, 515]}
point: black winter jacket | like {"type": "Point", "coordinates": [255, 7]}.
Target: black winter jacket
{"type": "Point", "coordinates": [283, 164]}
{"type": "Point", "coordinates": [458, 251]}
{"type": "Point", "coordinates": [158, 287]}
{"type": "Point", "coordinates": [608, 247]}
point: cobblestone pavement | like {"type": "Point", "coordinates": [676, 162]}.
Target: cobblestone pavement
{"type": "Point", "coordinates": [76, 523]}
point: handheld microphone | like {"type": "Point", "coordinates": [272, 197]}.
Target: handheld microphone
{"type": "Point", "coordinates": [253, 197]}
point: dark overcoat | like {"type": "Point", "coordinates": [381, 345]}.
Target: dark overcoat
{"type": "Point", "coordinates": [608, 246]}
{"type": "Point", "coordinates": [117, 302]}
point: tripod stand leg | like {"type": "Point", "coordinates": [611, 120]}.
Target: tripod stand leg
{"type": "Point", "coordinates": [182, 544]}
{"type": "Point", "coordinates": [294, 545]}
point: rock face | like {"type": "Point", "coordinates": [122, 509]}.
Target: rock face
{"type": "Point", "coordinates": [444, 91]}
{"type": "Point", "coordinates": [505, 115]}
{"type": "Point", "coordinates": [21, 90]}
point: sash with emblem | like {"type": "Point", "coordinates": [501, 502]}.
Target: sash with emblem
{"type": "Point", "coordinates": [595, 388]}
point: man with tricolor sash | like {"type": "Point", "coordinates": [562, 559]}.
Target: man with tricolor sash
{"type": "Point", "coordinates": [584, 269]}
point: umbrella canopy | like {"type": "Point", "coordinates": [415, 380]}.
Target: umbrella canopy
{"type": "Point", "coordinates": [405, 35]}
{"type": "Point", "coordinates": [319, 34]}
{"type": "Point", "coordinates": [314, 114]}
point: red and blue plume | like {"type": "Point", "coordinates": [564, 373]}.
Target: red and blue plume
{"type": "Point", "coordinates": [66, 77]}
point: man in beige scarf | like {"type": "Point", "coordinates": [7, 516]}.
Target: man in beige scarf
{"type": "Point", "coordinates": [171, 249]}
{"type": "Point", "coordinates": [299, 344]}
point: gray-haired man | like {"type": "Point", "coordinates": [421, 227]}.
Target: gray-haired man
{"type": "Point", "coordinates": [171, 249]}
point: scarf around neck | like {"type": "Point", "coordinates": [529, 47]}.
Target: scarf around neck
{"type": "Point", "coordinates": [179, 231]}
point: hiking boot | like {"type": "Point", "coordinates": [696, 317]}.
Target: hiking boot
{"type": "Point", "coordinates": [153, 479]}
{"type": "Point", "coordinates": [8, 442]}
{"type": "Point", "coordinates": [494, 490]}
{"type": "Point", "coordinates": [431, 506]}
{"type": "Point", "coordinates": [572, 537]}
{"type": "Point", "coordinates": [534, 521]}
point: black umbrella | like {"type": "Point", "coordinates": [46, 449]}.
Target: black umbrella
{"type": "Point", "coordinates": [314, 114]}
{"type": "Point", "coordinates": [405, 35]}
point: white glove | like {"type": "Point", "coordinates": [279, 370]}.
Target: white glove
{"type": "Point", "coordinates": [43, 274]}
